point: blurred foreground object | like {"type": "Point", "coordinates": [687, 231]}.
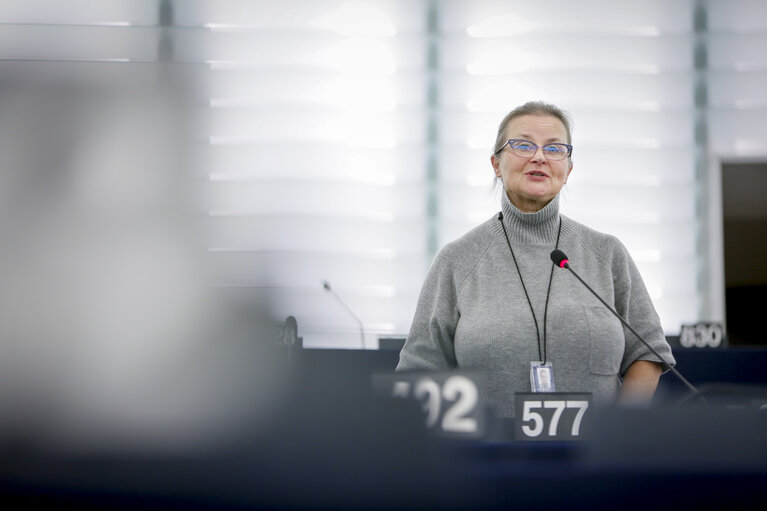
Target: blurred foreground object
{"type": "Point", "coordinates": [112, 338]}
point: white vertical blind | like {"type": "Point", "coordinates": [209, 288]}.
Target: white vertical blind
{"type": "Point", "coordinates": [737, 77]}
{"type": "Point", "coordinates": [109, 30]}
{"type": "Point", "coordinates": [316, 158]}
{"type": "Point", "coordinates": [321, 118]}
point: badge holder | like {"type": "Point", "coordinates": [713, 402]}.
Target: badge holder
{"type": "Point", "coordinates": [542, 377]}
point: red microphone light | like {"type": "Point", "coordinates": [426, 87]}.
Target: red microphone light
{"type": "Point", "coordinates": [559, 258]}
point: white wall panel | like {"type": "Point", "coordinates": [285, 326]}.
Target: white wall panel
{"type": "Point", "coordinates": [316, 167]}
{"type": "Point", "coordinates": [603, 90]}
{"type": "Point", "coordinates": [558, 17]}
{"type": "Point", "coordinates": [319, 233]}
{"type": "Point", "coordinates": [36, 42]}
{"type": "Point", "coordinates": [322, 118]}
{"type": "Point", "coordinates": [741, 16]}
{"type": "Point", "coordinates": [738, 52]}
{"type": "Point", "coordinates": [299, 160]}
{"type": "Point", "coordinates": [534, 53]}
{"type": "Point", "coordinates": [80, 12]}
{"type": "Point", "coordinates": [738, 132]}
{"type": "Point", "coordinates": [740, 90]}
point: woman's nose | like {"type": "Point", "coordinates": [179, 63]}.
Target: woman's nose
{"type": "Point", "coordinates": [536, 157]}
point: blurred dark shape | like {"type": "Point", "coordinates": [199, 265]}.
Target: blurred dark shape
{"type": "Point", "coordinates": [744, 312]}
{"type": "Point", "coordinates": [166, 14]}
{"type": "Point", "coordinates": [114, 342]}
{"type": "Point", "coordinates": [333, 445]}
{"type": "Point", "coordinates": [391, 343]}
{"type": "Point", "coordinates": [707, 367]}
{"type": "Point", "coordinates": [165, 50]}
{"type": "Point", "coordinates": [693, 438]}
{"type": "Point", "coordinates": [730, 396]}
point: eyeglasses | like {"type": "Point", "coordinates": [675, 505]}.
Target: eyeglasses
{"type": "Point", "coordinates": [527, 149]}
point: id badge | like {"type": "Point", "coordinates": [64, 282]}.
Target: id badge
{"type": "Point", "coordinates": [542, 377]}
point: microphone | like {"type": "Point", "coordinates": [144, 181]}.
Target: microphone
{"type": "Point", "coordinates": [560, 259]}
{"type": "Point", "coordinates": [327, 287]}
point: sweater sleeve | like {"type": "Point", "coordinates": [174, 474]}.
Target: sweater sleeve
{"type": "Point", "coordinates": [632, 301]}
{"type": "Point", "coordinates": [429, 344]}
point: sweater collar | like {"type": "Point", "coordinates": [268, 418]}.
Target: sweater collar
{"type": "Point", "coordinates": [538, 228]}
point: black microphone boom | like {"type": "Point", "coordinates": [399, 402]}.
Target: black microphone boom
{"type": "Point", "coordinates": [327, 287]}
{"type": "Point", "coordinates": [560, 259]}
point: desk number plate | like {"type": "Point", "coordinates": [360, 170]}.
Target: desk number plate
{"type": "Point", "coordinates": [453, 402]}
{"type": "Point", "coordinates": [551, 416]}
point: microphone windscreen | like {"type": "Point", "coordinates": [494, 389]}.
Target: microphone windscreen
{"type": "Point", "coordinates": [558, 257]}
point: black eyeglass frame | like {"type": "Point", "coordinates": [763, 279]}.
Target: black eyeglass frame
{"type": "Point", "coordinates": [508, 143]}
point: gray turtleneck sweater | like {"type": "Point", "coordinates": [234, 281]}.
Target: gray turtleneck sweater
{"type": "Point", "coordinates": [473, 313]}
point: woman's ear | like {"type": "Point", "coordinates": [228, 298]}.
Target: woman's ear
{"type": "Point", "coordinates": [494, 161]}
{"type": "Point", "coordinates": [568, 172]}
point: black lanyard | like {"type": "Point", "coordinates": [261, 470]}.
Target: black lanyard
{"type": "Point", "coordinates": [541, 357]}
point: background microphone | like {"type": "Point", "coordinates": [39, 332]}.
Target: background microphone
{"type": "Point", "coordinates": [560, 259]}
{"type": "Point", "coordinates": [327, 287]}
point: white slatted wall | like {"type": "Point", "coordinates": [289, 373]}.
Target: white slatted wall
{"type": "Point", "coordinates": [348, 140]}
{"type": "Point", "coordinates": [316, 159]}
{"type": "Point", "coordinates": [737, 77]}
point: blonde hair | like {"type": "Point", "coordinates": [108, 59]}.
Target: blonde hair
{"type": "Point", "coordinates": [530, 108]}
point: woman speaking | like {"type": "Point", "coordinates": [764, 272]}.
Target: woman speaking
{"type": "Point", "coordinates": [492, 299]}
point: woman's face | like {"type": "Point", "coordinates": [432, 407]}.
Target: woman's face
{"type": "Point", "coordinates": [530, 183]}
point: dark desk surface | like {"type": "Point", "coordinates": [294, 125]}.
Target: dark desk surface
{"type": "Point", "coordinates": [747, 366]}
{"type": "Point", "coordinates": [737, 365]}
{"type": "Point", "coordinates": [335, 449]}
{"type": "Point", "coordinates": [353, 454]}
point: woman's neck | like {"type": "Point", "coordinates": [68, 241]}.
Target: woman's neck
{"type": "Point", "coordinates": [527, 205]}
{"type": "Point", "coordinates": [537, 227]}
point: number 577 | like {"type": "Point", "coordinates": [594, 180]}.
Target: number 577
{"type": "Point", "coordinates": [535, 423]}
